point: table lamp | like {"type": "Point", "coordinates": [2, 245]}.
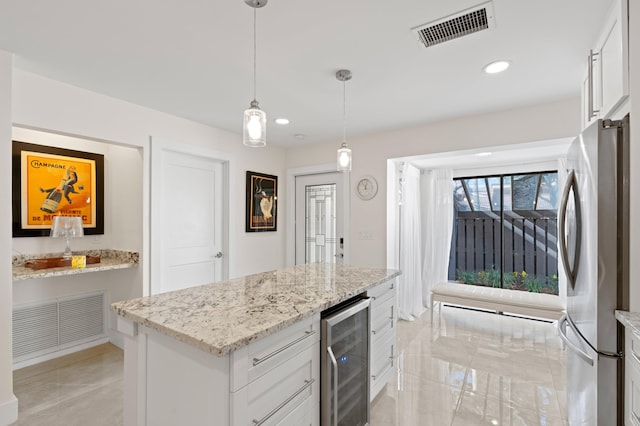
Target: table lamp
{"type": "Point", "coordinates": [67, 227]}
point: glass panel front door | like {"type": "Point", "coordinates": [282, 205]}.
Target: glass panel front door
{"type": "Point", "coordinates": [318, 218]}
{"type": "Point", "coordinates": [320, 223]}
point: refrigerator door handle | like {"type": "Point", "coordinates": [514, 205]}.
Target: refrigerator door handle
{"type": "Point", "coordinates": [576, 330]}
{"type": "Point", "coordinates": [335, 385]}
{"type": "Point", "coordinates": [571, 269]}
{"type": "Point", "coordinates": [562, 331]}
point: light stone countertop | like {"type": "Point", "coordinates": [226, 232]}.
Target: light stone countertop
{"type": "Point", "coordinates": [109, 260]}
{"type": "Point", "coordinates": [630, 320]}
{"type": "Point", "coordinates": [224, 316]}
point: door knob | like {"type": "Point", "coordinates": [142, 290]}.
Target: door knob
{"type": "Point", "coordinates": [218, 255]}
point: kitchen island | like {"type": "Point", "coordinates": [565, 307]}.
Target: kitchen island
{"type": "Point", "coordinates": [239, 352]}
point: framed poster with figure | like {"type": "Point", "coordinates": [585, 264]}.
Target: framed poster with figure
{"type": "Point", "coordinates": [49, 181]}
{"type": "Point", "coordinates": [262, 202]}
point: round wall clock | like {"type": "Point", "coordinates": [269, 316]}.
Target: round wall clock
{"type": "Point", "coordinates": [367, 187]}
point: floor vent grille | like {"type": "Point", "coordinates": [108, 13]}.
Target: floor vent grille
{"type": "Point", "coordinates": [457, 25]}
{"type": "Point", "coordinates": [47, 327]}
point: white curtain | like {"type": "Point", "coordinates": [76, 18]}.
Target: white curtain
{"type": "Point", "coordinates": [438, 220]}
{"type": "Point", "coordinates": [410, 282]}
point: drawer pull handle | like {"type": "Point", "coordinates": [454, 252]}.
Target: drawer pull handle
{"type": "Point", "coordinates": [307, 384]}
{"type": "Point", "coordinates": [383, 327]}
{"type": "Point", "coordinates": [391, 317]}
{"type": "Point", "coordinates": [307, 333]}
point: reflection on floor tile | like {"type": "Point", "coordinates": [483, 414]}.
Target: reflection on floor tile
{"type": "Point", "coordinates": [475, 368]}
{"type": "Point", "coordinates": [469, 368]}
{"type": "Point", "coordinates": [81, 389]}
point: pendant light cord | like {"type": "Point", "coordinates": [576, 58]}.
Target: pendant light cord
{"type": "Point", "coordinates": [254, 53]}
{"type": "Point", "coordinates": [344, 111]}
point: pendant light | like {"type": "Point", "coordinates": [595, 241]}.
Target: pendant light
{"type": "Point", "coordinates": [255, 120]}
{"type": "Point", "coordinates": [344, 153]}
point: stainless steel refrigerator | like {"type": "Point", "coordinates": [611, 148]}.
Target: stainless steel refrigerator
{"type": "Point", "coordinates": [594, 241]}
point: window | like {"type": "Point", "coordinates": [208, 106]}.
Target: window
{"type": "Point", "coordinates": [505, 231]}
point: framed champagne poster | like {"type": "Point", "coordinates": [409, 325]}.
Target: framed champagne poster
{"type": "Point", "coordinates": [262, 201]}
{"type": "Point", "coordinates": [50, 181]}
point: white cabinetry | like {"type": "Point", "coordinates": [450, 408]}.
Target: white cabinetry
{"type": "Point", "coordinates": [606, 86]}
{"type": "Point", "coordinates": [383, 334]}
{"type": "Point", "coordinates": [272, 381]}
{"type": "Point", "coordinates": [632, 378]}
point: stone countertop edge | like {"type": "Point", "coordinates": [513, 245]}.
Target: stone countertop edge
{"type": "Point", "coordinates": [630, 320]}
{"type": "Point", "coordinates": [109, 260]}
{"type": "Point", "coordinates": [221, 317]}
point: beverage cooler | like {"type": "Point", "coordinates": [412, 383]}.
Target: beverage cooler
{"type": "Point", "coordinates": [344, 384]}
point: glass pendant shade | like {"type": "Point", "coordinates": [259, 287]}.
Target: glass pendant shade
{"type": "Point", "coordinates": [255, 126]}
{"type": "Point", "coordinates": [344, 158]}
{"type": "Point", "coordinates": [344, 153]}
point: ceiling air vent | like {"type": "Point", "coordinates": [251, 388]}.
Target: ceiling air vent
{"type": "Point", "coordinates": [458, 25]}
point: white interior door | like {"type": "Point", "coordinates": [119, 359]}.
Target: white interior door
{"type": "Point", "coordinates": [187, 220]}
{"type": "Point", "coordinates": [319, 204]}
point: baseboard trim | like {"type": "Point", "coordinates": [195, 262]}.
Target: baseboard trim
{"type": "Point", "coordinates": [9, 411]}
{"type": "Point", "coordinates": [57, 354]}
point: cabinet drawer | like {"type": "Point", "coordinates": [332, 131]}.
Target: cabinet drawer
{"type": "Point", "coordinates": [383, 361]}
{"type": "Point", "coordinates": [387, 289]}
{"type": "Point", "coordinates": [260, 357]}
{"type": "Point", "coordinates": [383, 317]}
{"type": "Point", "coordinates": [382, 356]}
{"type": "Point", "coordinates": [274, 398]}
{"type": "Point", "coordinates": [303, 415]}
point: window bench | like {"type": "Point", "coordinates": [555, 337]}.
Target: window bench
{"type": "Point", "coordinates": [538, 305]}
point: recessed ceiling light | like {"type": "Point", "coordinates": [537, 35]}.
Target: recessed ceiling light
{"type": "Point", "coordinates": [484, 154]}
{"type": "Point", "coordinates": [282, 121]}
{"type": "Point", "coordinates": [299, 136]}
{"type": "Point", "coordinates": [496, 67]}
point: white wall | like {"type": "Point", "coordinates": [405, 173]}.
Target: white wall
{"type": "Point", "coordinates": [49, 105]}
{"type": "Point", "coordinates": [123, 225]}
{"type": "Point", "coordinates": [122, 196]}
{"type": "Point", "coordinates": [66, 115]}
{"type": "Point", "coordinates": [8, 402]}
{"type": "Point", "coordinates": [541, 122]}
{"type": "Point", "coordinates": [634, 179]}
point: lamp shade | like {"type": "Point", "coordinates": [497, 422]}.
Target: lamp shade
{"type": "Point", "coordinates": [254, 126]}
{"type": "Point", "coordinates": [67, 227]}
{"type": "Point", "coordinates": [344, 158]}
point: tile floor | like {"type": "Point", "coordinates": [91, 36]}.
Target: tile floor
{"type": "Point", "coordinates": [81, 389]}
{"type": "Point", "coordinates": [470, 368]}
{"type": "Point", "coordinates": [475, 368]}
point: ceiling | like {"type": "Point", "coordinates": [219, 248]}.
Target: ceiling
{"type": "Point", "coordinates": [193, 58]}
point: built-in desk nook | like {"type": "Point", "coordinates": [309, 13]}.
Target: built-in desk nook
{"type": "Point", "coordinates": [108, 260]}
{"type": "Point", "coordinates": [245, 351]}
{"type": "Point", "coordinates": [65, 309]}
